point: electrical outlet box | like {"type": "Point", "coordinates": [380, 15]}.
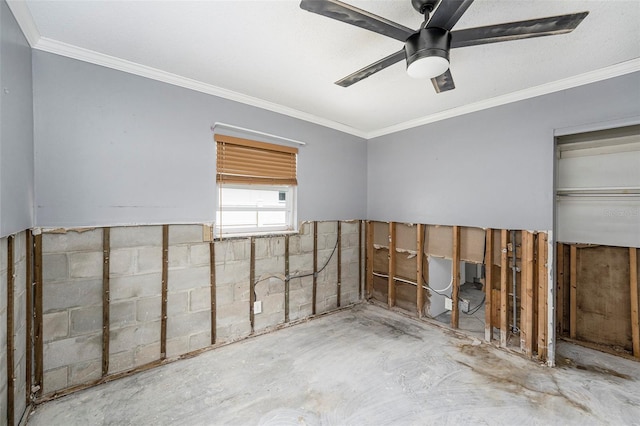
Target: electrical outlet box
{"type": "Point", "coordinates": [257, 307]}
{"type": "Point", "coordinates": [463, 305]}
{"type": "Point", "coordinates": [448, 304]}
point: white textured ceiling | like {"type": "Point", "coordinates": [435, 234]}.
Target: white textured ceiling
{"type": "Point", "coordinates": [275, 55]}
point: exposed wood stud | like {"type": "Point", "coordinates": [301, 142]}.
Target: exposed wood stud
{"type": "Point", "coordinates": [38, 338]}
{"type": "Point", "coordinates": [359, 260]}
{"type": "Point", "coordinates": [573, 301]}
{"type": "Point", "coordinates": [106, 298]}
{"type": "Point", "coordinates": [11, 379]}
{"type": "Point", "coordinates": [542, 296]}
{"type": "Point", "coordinates": [212, 282]}
{"type": "Point", "coordinates": [165, 288]}
{"type": "Point", "coordinates": [252, 284]}
{"type": "Point", "coordinates": [419, 272]}
{"type": "Point", "coordinates": [527, 290]}
{"type": "Point", "coordinates": [391, 299]}
{"type": "Point", "coordinates": [369, 254]}
{"type": "Point", "coordinates": [504, 291]}
{"type": "Point", "coordinates": [455, 271]}
{"type": "Point", "coordinates": [29, 313]}
{"type": "Point", "coordinates": [287, 280]}
{"type": "Point", "coordinates": [315, 268]}
{"type": "Point", "coordinates": [339, 248]}
{"type": "Point", "coordinates": [633, 283]}
{"type": "Point", "coordinates": [560, 302]}
{"type": "Point", "coordinates": [488, 279]}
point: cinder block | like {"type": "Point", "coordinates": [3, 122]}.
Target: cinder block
{"type": "Point", "coordinates": [354, 240]}
{"type": "Point", "coordinates": [232, 272]}
{"type": "Point", "coordinates": [3, 254]}
{"type": "Point", "coordinates": [272, 303]}
{"type": "Point", "coordinates": [275, 286]}
{"type": "Point", "coordinates": [135, 236]}
{"type": "Point", "coordinates": [200, 299]}
{"type": "Point", "coordinates": [303, 311]}
{"type": "Point", "coordinates": [230, 250]}
{"type": "Point", "coordinates": [187, 324]}
{"type": "Point", "coordinates": [193, 277]}
{"type": "Point", "coordinates": [71, 241]}
{"type": "Point", "coordinates": [269, 266]}
{"type": "Point", "coordinates": [350, 227]}
{"type": "Point", "coordinates": [234, 331]}
{"type": "Point", "coordinates": [235, 313]}
{"type": "Point", "coordinates": [149, 308]}
{"type": "Point", "coordinates": [85, 372]}
{"type": "Point", "coordinates": [269, 320]}
{"type": "Point", "coordinates": [177, 346]}
{"type": "Point", "coordinates": [134, 286]}
{"type": "Point", "coordinates": [85, 265]}
{"type": "Point", "coordinates": [54, 380]}
{"type": "Point", "coordinates": [86, 320]}
{"type": "Point", "coordinates": [199, 254]}
{"type": "Point", "coordinates": [122, 313]}
{"type": "Point", "coordinates": [178, 256]}
{"type": "Point", "coordinates": [149, 260]}
{"type": "Point", "coordinates": [181, 234]}
{"type": "Point", "coordinates": [146, 354]}
{"type": "Point", "coordinates": [121, 361]}
{"type": "Point", "coordinates": [121, 261]}
{"type": "Point", "coordinates": [269, 247]}
{"type": "Point", "coordinates": [329, 227]}
{"type": "Point", "coordinates": [300, 264]}
{"type": "Point", "coordinates": [55, 326]}
{"type": "Point", "coordinates": [72, 351]}
{"type": "Point", "coordinates": [224, 295]}
{"type": "Point", "coordinates": [64, 295]}
{"type": "Point", "coordinates": [177, 303]}
{"type": "Point", "coordinates": [54, 267]}
{"type": "Point", "coordinates": [127, 338]}
{"type": "Point", "coordinates": [299, 297]}
{"type": "Point", "coordinates": [200, 340]}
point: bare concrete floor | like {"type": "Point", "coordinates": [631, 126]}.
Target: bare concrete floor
{"type": "Point", "coordinates": [362, 366]}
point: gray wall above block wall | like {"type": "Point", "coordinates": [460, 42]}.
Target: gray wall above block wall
{"type": "Point", "coordinates": [492, 168]}
{"type": "Point", "coordinates": [16, 127]}
{"type": "Point", "coordinates": [114, 148]}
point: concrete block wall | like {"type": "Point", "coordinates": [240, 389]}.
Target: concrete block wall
{"type": "Point", "coordinates": [189, 290]}
{"type": "Point", "coordinates": [72, 308]}
{"type": "Point", "coordinates": [135, 286]}
{"type": "Point", "coordinates": [19, 331]}
{"type": "Point", "coordinates": [3, 330]}
{"type": "Point", "coordinates": [20, 325]}
{"type": "Point", "coordinates": [301, 264]}
{"type": "Point", "coordinates": [73, 292]}
{"type": "Point", "coordinates": [232, 263]}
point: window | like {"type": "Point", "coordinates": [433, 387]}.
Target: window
{"type": "Point", "coordinates": [256, 186]}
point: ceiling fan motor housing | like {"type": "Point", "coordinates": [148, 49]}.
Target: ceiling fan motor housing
{"type": "Point", "coordinates": [427, 42]}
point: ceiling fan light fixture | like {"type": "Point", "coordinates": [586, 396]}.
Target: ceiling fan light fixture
{"type": "Point", "coordinates": [427, 53]}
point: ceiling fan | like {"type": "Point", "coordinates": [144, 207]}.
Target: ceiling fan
{"type": "Point", "coordinates": [426, 49]}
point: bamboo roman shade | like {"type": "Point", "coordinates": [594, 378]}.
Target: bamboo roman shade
{"type": "Point", "coordinates": [245, 161]}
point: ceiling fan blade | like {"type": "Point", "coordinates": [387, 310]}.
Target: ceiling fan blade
{"type": "Point", "coordinates": [360, 18]}
{"type": "Point", "coordinates": [443, 82]}
{"type": "Point", "coordinates": [448, 13]}
{"type": "Point", "coordinates": [371, 69]}
{"type": "Point", "coordinates": [517, 30]}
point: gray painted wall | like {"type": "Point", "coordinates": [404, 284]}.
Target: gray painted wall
{"type": "Point", "coordinates": [492, 168]}
{"type": "Point", "coordinates": [16, 127]}
{"type": "Point", "coordinates": [113, 148]}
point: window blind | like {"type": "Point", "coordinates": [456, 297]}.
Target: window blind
{"type": "Point", "coordinates": [244, 161]}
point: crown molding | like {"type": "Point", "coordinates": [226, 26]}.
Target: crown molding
{"type": "Point", "coordinates": [70, 51]}
{"type": "Point", "coordinates": [25, 21]}
{"type": "Point", "coordinates": [543, 89]}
